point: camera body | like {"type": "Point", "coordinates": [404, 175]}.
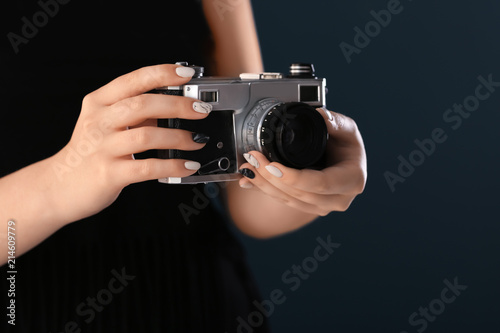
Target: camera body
{"type": "Point", "coordinates": [267, 112]}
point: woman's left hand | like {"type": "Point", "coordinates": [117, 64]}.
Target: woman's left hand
{"type": "Point", "coordinates": [317, 192]}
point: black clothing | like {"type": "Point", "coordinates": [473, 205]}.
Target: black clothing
{"type": "Point", "coordinates": [137, 266]}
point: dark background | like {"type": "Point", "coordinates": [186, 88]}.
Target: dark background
{"type": "Point", "coordinates": [398, 247]}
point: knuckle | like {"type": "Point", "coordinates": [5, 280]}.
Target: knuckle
{"type": "Point", "coordinates": [343, 206]}
{"type": "Point", "coordinates": [161, 74]}
{"type": "Point", "coordinates": [339, 120]}
{"type": "Point", "coordinates": [323, 212]}
{"type": "Point", "coordinates": [300, 195]}
{"type": "Point", "coordinates": [349, 120]}
{"type": "Point", "coordinates": [279, 198]}
{"type": "Point", "coordinates": [140, 136]}
{"type": "Point", "coordinates": [360, 188]}
{"type": "Point", "coordinates": [131, 78]}
{"type": "Point", "coordinates": [140, 78]}
{"type": "Point", "coordinates": [290, 179]}
{"type": "Point", "coordinates": [323, 187]}
{"type": "Point", "coordinates": [153, 76]}
{"type": "Point", "coordinates": [181, 105]}
{"type": "Point", "coordinates": [120, 109]}
{"type": "Point", "coordinates": [177, 107]}
{"type": "Point", "coordinates": [350, 125]}
{"type": "Point", "coordinates": [178, 139]}
{"type": "Point", "coordinates": [285, 201]}
{"type": "Point", "coordinates": [136, 103]}
{"type": "Point", "coordinates": [360, 182]}
{"type": "Point", "coordinates": [143, 169]}
{"type": "Point", "coordinates": [345, 123]}
{"type": "Point", "coordinates": [353, 124]}
{"type": "Point", "coordinates": [88, 100]}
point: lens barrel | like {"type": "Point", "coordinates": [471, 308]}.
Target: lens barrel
{"type": "Point", "coordinates": [295, 135]}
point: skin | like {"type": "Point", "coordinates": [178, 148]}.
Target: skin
{"type": "Point", "coordinates": [54, 185]}
{"type": "Point", "coordinates": [298, 197]}
{"type": "Point", "coordinates": [118, 120]}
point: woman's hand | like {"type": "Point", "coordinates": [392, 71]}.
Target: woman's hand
{"type": "Point", "coordinates": [315, 192]}
{"type": "Point", "coordinates": [117, 121]}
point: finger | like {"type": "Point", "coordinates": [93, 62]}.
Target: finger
{"type": "Point", "coordinates": [135, 110]}
{"type": "Point", "coordinates": [262, 184]}
{"type": "Point", "coordinates": [140, 81]}
{"type": "Point", "coordinates": [325, 113]}
{"type": "Point", "coordinates": [141, 139]}
{"type": "Point", "coordinates": [145, 123]}
{"type": "Point", "coordinates": [340, 127]}
{"type": "Point", "coordinates": [246, 184]}
{"type": "Point", "coordinates": [324, 203]}
{"type": "Point", "coordinates": [312, 203]}
{"type": "Point", "coordinates": [346, 146]}
{"type": "Point", "coordinates": [342, 178]}
{"type": "Point", "coordinates": [135, 171]}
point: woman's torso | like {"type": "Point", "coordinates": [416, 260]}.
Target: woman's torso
{"type": "Point", "coordinates": [140, 265]}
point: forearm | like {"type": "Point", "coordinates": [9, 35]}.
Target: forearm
{"type": "Point", "coordinates": [26, 197]}
{"type": "Point", "coordinates": [236, 45]}
{"type": "Point", "coordinates": [261, 216]}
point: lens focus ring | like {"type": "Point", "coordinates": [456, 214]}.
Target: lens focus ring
{"type": "Point", "coordinates": [293, 134]}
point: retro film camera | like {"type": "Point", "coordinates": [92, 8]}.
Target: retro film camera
{"type": "Point", "coordinates": [267, 112]}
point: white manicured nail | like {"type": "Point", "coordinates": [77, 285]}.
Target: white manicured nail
{"type": "Point", "coordinates": [185, 71]}
{"type": "Point", "coordinates": [274, 171]}
{"type": "Point", "coordinates": [327, 113]}
{"type": "Point", "coordinates": [190, 165]}
{"type": "Point", "coordinates": [252, 160]}
{"type": "Point", "coordinates": [246, 185]}
{"type": "Point", "coordinates": [202, 107]}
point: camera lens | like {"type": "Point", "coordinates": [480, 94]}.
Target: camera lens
{"type": "Point", "coordinates": [294, 134]}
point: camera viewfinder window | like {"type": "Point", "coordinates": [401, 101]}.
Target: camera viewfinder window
{"type": "Point", "coordinates": [309, 93]}
{"type": "Point", "coordinates": [209, 96]}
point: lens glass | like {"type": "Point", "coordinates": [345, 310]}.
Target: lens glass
{"type": "Point", "coordinates": [298, 133]}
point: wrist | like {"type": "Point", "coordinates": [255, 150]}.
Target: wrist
{"type": "Point", "coordinates": [63, 193]}
{"type": "Point", "coordinates": [26, 196]}
{"type": "Point", "coordinates": [50, 185]}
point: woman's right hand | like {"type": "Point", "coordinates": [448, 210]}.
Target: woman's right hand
{"type": "Point", "coordinates": [117, 121]}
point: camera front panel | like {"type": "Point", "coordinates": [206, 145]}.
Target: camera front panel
{"type": "Point", "coordinates": [218, 158]}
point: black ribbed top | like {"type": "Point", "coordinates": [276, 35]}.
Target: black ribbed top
{"type": "Point", "coordinates": [147, 269]}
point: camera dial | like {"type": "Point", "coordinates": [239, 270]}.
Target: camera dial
{"type": "Point", "coordinates": [198, 70]}
{"type": "Point", "coordinates": [301, 70]}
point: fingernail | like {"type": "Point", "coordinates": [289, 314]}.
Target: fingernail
{"type": "Point", "coordinates": [274, 171]}
{"type": "Point", "coordinates": [327, 113]}
{"type": "Point", "coordinates": [200, 138]}
{"type": "Point", "coordinates": [247, 173]}
{"type": "Point", "coordinates": [202, 107]}
{"type": "Point", "coordinates": [252, 160]}
{"type": "Point", "coordinates": [185, 71]}
{"type": "Point", "coordinates": [190, 165]}
{"type": "Point", "coordinates": [246, 185]}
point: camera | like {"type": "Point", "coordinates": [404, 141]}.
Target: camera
{"type": "Point", "coordinates": [267, 112]}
